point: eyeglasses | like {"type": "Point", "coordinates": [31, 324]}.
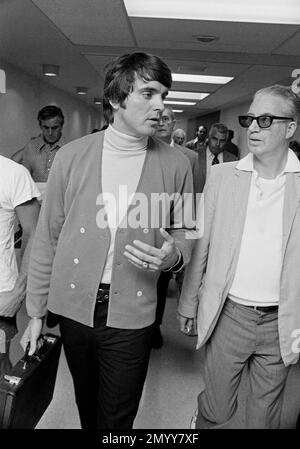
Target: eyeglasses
{"type": "Point", "coordinates": [263, 121]}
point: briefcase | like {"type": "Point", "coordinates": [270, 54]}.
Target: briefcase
{"type": "Point", "coordinates": [27, 390]}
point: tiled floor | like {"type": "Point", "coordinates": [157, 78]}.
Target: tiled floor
{"type": "Point", "coordinates": [173, 382]}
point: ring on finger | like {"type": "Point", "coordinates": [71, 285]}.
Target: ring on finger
{"type": "Point", "coordinates": [145, 265]}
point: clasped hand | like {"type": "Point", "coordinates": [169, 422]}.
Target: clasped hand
{"type": "Point", "coordinates": [147, 257]}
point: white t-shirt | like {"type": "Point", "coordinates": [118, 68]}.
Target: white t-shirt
{"type": "Point", "coordinates": [257, 277]}
{"type": "Point", "coordinates": [16, 187]}
{"type": "Point", "coordinates": [209, 159]}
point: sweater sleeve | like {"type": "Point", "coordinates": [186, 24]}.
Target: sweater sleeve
{"type": "Point", "coordinates": [48, 229]}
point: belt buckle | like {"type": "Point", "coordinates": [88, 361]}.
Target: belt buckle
{"type": "Point", "coordinates": [266, 309]}
{"type": "Point", "coordinates": [102, 297]}
{"type": "Point", "coordinates": [259, 309]}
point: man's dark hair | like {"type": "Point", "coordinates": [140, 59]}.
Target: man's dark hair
{"type": "Point", "coordinates": [48, 112]}
{"type": "Point", "coordinates": [121, 73]}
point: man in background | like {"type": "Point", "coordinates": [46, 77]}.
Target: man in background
{"type": "Point", "coordinates": [178, 136]}
{"type": "Point", "coordinates": [199, 143]}
{"type": "Point", "coordinates": [39, 153]}
{"type": "Point", "coordinates": [164, 132]}
{"type": "Point", "coordinates": [214, 152]}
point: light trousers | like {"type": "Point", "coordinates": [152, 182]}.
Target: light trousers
{"type": "Point", "coordinates": [243, 337]}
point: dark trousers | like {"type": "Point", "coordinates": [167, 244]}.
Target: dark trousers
{"type": "Point", "coordinates": [108, 367]}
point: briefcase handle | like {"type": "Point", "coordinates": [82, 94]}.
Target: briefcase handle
{"type": "Point", "coordinates": [28, 359]}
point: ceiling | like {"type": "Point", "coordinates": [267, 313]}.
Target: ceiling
{"type": "Point", "coordinates": [82, 36]}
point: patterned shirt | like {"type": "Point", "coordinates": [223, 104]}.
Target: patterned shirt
{"type": "Point", "coordinates": [38, 157]}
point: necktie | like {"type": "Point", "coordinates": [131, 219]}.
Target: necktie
{"type": "Point", "coordinates": [215, 160]}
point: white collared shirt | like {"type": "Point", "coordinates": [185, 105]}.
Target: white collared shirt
{"type": "Point", "coordinates": [257, 276]}
{"type": "Point", "coordinates": [209, 159]}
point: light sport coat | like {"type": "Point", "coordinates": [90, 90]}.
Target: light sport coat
{"type": "Point", "coordinates": [202, 156]}
{"type": "Point", "coordinates": [69, 249]}
{"type": "Point", "coordinates": [210, 273]}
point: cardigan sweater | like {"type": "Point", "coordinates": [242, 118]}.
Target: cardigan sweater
{"type": "Point", "coordinates": [70, 246]}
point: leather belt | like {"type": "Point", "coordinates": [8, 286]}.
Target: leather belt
{"type": "Point", "coordinates": [265, 309]}
{"type": "Point", "coordinates": [103, 293]}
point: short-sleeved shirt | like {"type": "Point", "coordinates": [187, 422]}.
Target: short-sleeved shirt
{"type": "Point", "coordinates": [16, 187]}
{"type": "Point", "coordinates": [38, 157]}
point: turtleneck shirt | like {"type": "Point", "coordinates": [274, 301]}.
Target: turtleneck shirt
{"type": "Point", "coordinates": [122, 163]}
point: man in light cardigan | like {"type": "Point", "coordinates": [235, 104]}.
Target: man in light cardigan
{"type": "Point", "coordinates": [242, 283]}
{"type": "Point", "coordinates": [101, 244]}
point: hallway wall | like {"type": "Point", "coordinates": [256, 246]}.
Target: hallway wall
{"type": "Point", "coordinates": [25, 96]}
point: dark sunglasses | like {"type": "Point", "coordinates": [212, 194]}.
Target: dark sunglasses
{"type": "Point", "coordinates": [263, 121]}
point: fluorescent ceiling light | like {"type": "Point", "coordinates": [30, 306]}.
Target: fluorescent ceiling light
{"type": "Point", "coordinates": [186, 95]}
{"type": "Point", "coordinates": [186, 78]}
{"type": "Point", "coordinates": [177, 110]}
{"type": "Point", "coordinates": [183, 103]}
{"type": "Point", "coordinates": [50, 70]}
{"type": "Point", "coordinates": [81, 90]}
{"type": "Point", "coordinates": [269, 11]}
{"type": "Point", "coordinates": [2, 82]}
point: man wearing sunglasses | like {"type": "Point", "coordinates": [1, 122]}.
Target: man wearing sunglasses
{"type": "Point", "coordinates": [245, 289]}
